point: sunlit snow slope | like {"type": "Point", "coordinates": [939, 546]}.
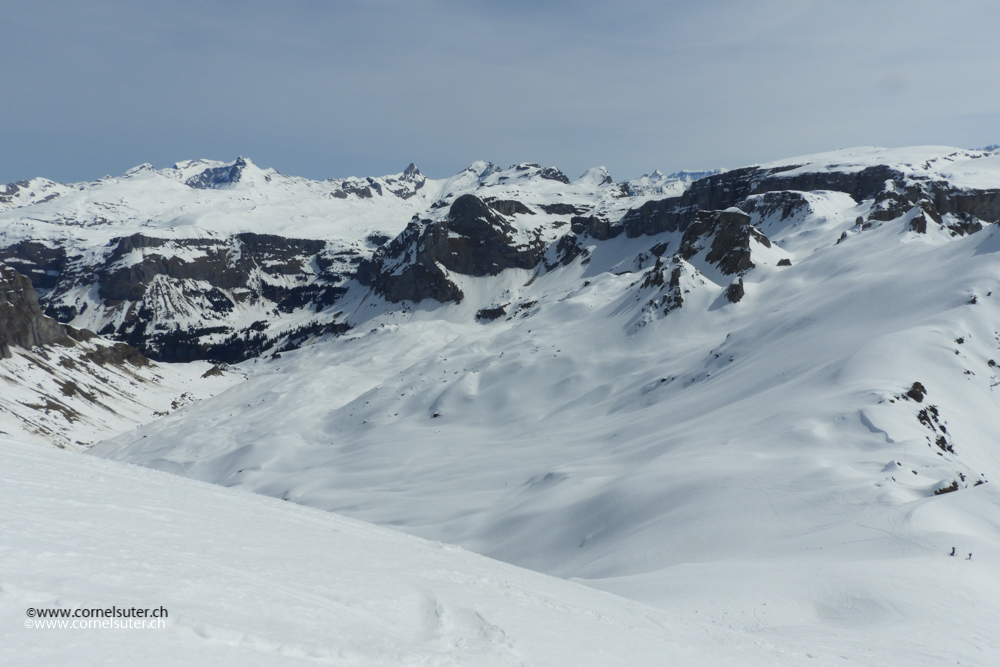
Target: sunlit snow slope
{"type": "Point", "coordinates": [248, 580]}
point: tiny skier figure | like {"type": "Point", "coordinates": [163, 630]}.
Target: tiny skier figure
{"type": "Point", "coordinates": [970, 556]}
{"type": "Point", "coordinates": [952, 551]}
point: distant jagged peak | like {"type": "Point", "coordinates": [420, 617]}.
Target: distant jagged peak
{"type": "Point", "coordinates": [488, 174]}
{"type": "Point", "coordinates": [480, 167]}
{"type": "Point", "coordinates": [404, 185]}
{"type": "Point", "coordinates": [143, 168]}
{"type": "Point", "coordinates": [188, 168]}
{"type": "Point", "coordinates": [228, 174]}
{"type": "Point", "coordinates": [525, 171]}
{"type": "Point", "coordinates": [412, 173]}
{"type": "Point", "coordinates": [595, 176]}
{"type": "Point", "coordinates": [33, 191]}
{"type": "Point", "coordinates": [671, 185]}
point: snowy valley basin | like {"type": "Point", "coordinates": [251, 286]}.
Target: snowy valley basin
{"type": "Point", "coordinates": [755, 409]}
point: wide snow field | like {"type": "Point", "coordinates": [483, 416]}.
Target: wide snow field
{"type": "Point", "coordinates": [250, 580]}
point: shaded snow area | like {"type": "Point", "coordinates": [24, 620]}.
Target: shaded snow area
{"type": "Point", "coordinates": [249, 580]}
{"type": "Point", "coordinates": [764, 403]}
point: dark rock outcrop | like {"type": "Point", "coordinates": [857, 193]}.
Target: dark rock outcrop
{"type": "Point", "coordinates": [565, 250]}
{"type": "Point", "coordinates": [598, 227]}
{"type": "Point", "coordinates": [473, 240]}
{"type": "Point", "coordinates": [656, 278]}
{"type": "Point", "coordinates": [673, 299]}
{"type": "Point", "coordinates": [562, 209]}
{"type": "Point", "coordinates": [731, 233]}
{"type": "Point", "coordinates": [735, 291]}
{"type": "Point", "coordinates": [917, 392]}
{"type": "Point", "coordinates": [553, 174]}
{"type": "Point", "coordinates": [116, 354]}
{"type": "Point", "coordinates": [509, 207]}
{"type": "Point", "coordinates": [787, 202]}
{"type": "Point", "coordinates": [22, 323]}
{"type": "Point", "coordinates": [490, 314]}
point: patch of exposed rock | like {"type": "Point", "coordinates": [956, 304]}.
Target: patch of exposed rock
{"type": "Point", "coordinates": [730, 232]}
{"type": "Point", "coordinates": [22, 322]}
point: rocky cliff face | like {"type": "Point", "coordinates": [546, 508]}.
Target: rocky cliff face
{"type": "Point", "coordinates": [183, 299]}
{"type": "Point", "coordinates": [475, 239]}
{"type": "Point", "coordinates": [21, 320]}
{"type": "Point", "coordinates": [727, 234]}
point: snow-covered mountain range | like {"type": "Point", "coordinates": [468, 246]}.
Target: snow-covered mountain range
{"type": "Point", "coordinates": [767, 395]}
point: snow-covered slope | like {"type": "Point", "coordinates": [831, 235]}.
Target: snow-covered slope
{"type": "Point", "coordinates": [770, 399]}
{"type": "Point", "coordinates": [248, 580]}
{"type": "Point", "coordinates": [74, 397]}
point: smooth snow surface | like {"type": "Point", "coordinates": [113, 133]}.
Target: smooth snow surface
{"type": "Point", "coordinates": [249, 580]}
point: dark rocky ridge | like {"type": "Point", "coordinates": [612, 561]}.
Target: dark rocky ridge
{"type": "Point", "coordinates": [892, 192]}
{"type": "Point", "coordinates": [225, 264]}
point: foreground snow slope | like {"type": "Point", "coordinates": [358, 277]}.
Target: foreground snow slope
{"type": "Point", "coordinates": [249, 580]}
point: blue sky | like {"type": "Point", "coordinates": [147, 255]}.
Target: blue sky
{"type": "Point", "coordinates": [333, 88]}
